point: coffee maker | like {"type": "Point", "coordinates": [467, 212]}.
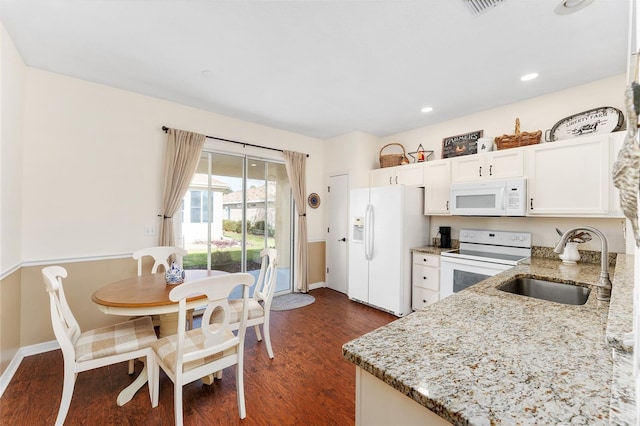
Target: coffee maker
{"type": "Point", "coordinates": [445, 236]}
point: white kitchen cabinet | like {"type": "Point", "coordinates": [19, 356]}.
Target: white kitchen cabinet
{"type": "Point", "coordinates": [502, 164]}
{"type": "Point", "coordinates": [437, 181]}
{"type": "Point", "coordinates": [570, 178]}
{"type": "Point", "coordinates": [425, 280]}
{"type": "Point", "coordinates": [408, 174]}
{"type": "Point", "coordinates": [377, 403]}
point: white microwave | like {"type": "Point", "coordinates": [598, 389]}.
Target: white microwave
{"type": "Point", "coordinates": [490, 198]}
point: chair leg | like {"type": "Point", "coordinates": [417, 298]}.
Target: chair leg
{"type": "Point", "coordinates": [131, 366]}
{"type": "Point", "coordinates": [190, 319]}
{"type": "Point", "coordinates": [67, 393]}
{"type": "Point", "coordinates": [177, 402]}
{"type": "Point", "coordinates": [153, 378]}
{"type": "Point", "coordinates": [240, 389]}
{"type": "Point", "coordinates": [257, 329]}
{"type": "Point", "coordinates": [267, 338]}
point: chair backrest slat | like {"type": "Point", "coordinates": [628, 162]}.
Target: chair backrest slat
{"type": "Point", "coordinates": [217, 289]}
{"type": "Point", "coordinates": [266, 283]}
{"type": "Point", "coordinates": [65, 326]}
{"type": "Point", "coordinates": [161, 256]}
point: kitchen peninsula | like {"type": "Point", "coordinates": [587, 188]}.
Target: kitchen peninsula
{"type": "Point", "coordinates": [483, 356]}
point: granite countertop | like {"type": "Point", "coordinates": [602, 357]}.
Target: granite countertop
{"type": "Point", "coordinates": [483, 356]}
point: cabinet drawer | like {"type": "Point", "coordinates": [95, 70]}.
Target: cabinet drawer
{"type": "Point", "coordinates": [426, 277]}
{"type": "Point", "coordinates": [422, 297]}
{"type": "Point", "coordinates": [426, 260]}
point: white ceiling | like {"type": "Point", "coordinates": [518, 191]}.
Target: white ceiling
{"type": "Point", "coordinates": [324, 68]}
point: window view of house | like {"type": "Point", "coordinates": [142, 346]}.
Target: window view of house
{"type": "Point", "coordinates": [235, 207]}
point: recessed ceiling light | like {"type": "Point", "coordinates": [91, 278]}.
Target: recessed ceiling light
{"type": "Point", "coordinates": [529, 76]}
{"type": "Point", "coordinates": [569, 6]}
{"type": "Point", "coordinates": [427, 109]}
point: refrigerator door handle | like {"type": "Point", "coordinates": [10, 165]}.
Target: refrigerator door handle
{"type": "Point", "coordinates": [368, 227]}
{"type": "Point", "coordinates": [366, 232]}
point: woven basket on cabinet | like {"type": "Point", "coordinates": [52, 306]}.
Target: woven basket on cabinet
{"type": "Point", "coordinates": [390, 160]}
{"type": "Point", "coordinates": [519, 139]}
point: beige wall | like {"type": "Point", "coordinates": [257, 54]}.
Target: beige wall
{"type": "Point", "coordinates": [9, 318]}
{"type": "Point", "coordinates": [316, 262]}
{"type": "Point", "coordinates": [94, 157]}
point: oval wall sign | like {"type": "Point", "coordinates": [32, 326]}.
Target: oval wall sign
{"type": "Point", "coordinates": [597, 120]}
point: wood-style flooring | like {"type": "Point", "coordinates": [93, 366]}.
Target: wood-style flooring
{"type": "Point", "coordinates": [307, 383]}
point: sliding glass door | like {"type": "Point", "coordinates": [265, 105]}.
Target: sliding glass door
{"type": "Point", "coordinates": [235, 207]}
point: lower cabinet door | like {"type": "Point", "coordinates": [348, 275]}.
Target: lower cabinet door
{"type": "Point", "coordinates": [423, 297]}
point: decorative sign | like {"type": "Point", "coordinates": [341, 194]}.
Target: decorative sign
{"type": "Point", "coordinates": [455, 146]}
{"type": "Point", "coordinates": [420, 154]}
{"type": "Point", "coordinates": [597, 120]}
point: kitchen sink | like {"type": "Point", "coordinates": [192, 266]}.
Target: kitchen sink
{"type": "Point", "coordinates": [547, 290]}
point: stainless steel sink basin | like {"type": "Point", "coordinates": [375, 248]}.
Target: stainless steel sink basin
{"type": "Point", "coordinates": [547, 290]}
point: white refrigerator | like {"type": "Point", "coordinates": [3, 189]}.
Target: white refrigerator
{"type": "Point", "coordinates": [385, 224]}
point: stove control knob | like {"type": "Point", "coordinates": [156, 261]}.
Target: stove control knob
{"type": "Point", "coordinates": [521, 238]}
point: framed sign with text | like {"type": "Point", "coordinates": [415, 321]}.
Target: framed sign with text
{"type": "Point", "coordinates": [465, 144]}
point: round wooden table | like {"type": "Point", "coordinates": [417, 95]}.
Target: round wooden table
{"type": "Point", "coordinates": [147, 295]}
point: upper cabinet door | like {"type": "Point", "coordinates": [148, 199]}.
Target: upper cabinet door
{"type": "Point", "coordinates": [408, 174]}
{"type": "Point", "coordinates": [437, 180]}
{"type": "Point", "coordinates": [411, 174]}
{"type": "Point", "coordinates": [570, 178]}
{"type": "Point", "coordinates": [503, 164]}
{"type": "Point", "coordinates": [382, 177]}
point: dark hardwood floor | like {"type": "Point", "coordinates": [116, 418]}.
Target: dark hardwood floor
{"type": "Point", "coordinates": [307, 383]}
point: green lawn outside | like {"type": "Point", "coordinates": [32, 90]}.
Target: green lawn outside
{"type": "Point", "coordinates": [229, 258]}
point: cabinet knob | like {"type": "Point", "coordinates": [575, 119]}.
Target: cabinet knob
{"type": "Point", "coordinates": [490, 171]}
{"type": "Point", "coordinates": [424, 278]}
{"type": "Point", "coordinates": [480, 171]}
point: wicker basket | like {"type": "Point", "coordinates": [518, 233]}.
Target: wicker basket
{"type": "Point", "coordinates": [390, 160]}
{"type": "Point", "coordinates": [519, 139]}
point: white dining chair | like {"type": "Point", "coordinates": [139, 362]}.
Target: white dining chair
{"type": "Point", "coordinates": [92, 349]}
{"type": "Point", "coordinates": [190, 355]}
{"type": "Point", "coordinates": [260, 302]}
{"type": "Point", "coordinates": [161, 256]}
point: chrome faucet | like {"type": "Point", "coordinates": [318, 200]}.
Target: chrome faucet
{"type": "Point", "coordinates": [604, 283]}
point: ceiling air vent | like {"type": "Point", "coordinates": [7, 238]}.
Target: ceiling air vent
{"type": "Point", "coordinates": [479, 6]}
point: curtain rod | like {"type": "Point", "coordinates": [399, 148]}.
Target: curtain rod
{"type": "Point", "coordinates": [166, 129]}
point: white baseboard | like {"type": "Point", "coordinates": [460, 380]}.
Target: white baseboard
{"type": "Point", "coordinates": [317, 285]}
{"type": "Point", "coordinates": [11, 369]}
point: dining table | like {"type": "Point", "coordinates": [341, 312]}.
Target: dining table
{"type": "Point", "coordinates": [148, 295]}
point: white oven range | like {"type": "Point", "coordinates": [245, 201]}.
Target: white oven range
{"type": "Point", "coordinates": [482, 254]}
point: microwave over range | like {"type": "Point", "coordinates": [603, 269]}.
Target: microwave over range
{"type": "Point", "coordinates": [490, 198]}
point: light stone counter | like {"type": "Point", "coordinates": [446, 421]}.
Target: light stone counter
{"type": "Point", "coordinates": [483, 356]}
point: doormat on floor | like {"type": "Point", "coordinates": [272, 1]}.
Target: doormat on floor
{"type": "Point", "coordinates": [291, 301]}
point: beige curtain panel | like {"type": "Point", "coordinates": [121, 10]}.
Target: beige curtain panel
{"type": "Point", "coordinates": [295, 163]}
{"type": "Point", "coordinates": [183, 153]}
